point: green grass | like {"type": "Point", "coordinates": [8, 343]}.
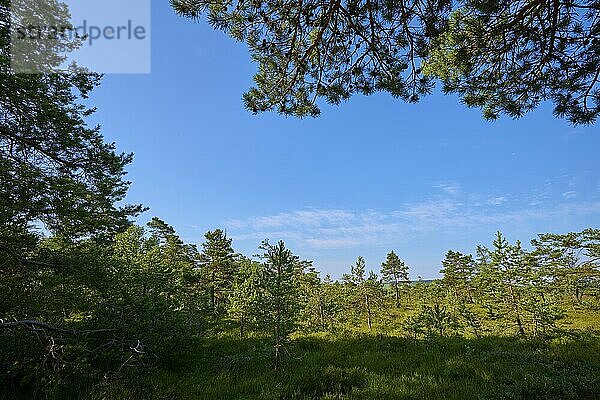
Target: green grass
{"type": "Point", "coordinates": [357, 365]}
{"type": "Point", "coordinates": [324, 367]}
{"type": "Point", "coordinates": [581, 318]}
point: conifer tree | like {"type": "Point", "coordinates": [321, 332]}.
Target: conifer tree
{"type": "Point", "coordinates": [571, 260]}
{"type": "Point", "coordinates": [366, 290]}
{"type": "Point", "coordinates": [331, 303]}
{"type": "Point", "coordinates": [504, 57]}
{"type": "Point", "coordinates": [55, 169]}
{"type": "Point", "coordinates": [311, 296]}
{"type": "Point", "coordinates": [279, 302]}
{"type": "Point", "coordinates": [395, 273]}
{"type": "Point", "coordinates": [246, 293]}
{"type": "Point", "coordinates": [506, 277]}
{"type": "Point", "coordinates": [217, 262]}
{"type": "Point", "coordinates": [457, 271]}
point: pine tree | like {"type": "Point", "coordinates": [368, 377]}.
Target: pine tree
{"type": "Point", "coordinates": [311, 297]}
{"type": "Point", "coordinates": [279, 302]}
{"type": "Point", "coordinates": [55, 169]}
{"type": "Point", "coordinates": [457, 270]}
{"type": "Point", "coordinates": [394, 272]}
{"type": "Point", "coordinates": [245, 295]}
{"type": "Point", "coordinates": [332, 303]}
{"type": "Point", "coordinates": [504, 57]}
{"type": "Point", "coordinates": [572, 261]}
{"type": "Point", "coordinates": [217, 262]}
{"type": "Point", "coordinates": [366, 291]}
{"type": "Point", "coordinates": [151, 295]}
{"type": "Point", "coordinates": [506, 279]}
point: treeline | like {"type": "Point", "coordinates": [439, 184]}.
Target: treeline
{"type": "Point", "coordinates": [95, 308]}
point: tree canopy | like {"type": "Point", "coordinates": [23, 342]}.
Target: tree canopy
{"type": "Point", "coordinates": [504, 57]}
{"type": "Point", "coordinates": [54, 168]}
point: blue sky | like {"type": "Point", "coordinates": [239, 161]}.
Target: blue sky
{"type": "Point", "coordinates": [369, 176]}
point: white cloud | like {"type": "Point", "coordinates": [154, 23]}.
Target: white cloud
{"type": "Point", "coordinates": [497, 201]}
{"type": "Point", "coordinates": [451, 188]}
{"type": "Point", "coordinates": [345, 229]}
{"type": "Point", "coordinates": [571, 194]}
{"type": "Point", "coordinates": [300, 217]}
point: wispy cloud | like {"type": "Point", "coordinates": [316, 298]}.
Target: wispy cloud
{"type": "Point", "coordinates": [571, 194]}
{"type": "Point", "coordinates": [307, 218]}
{"type": "Point", "coordinates": [498, 200]}
{"type": "Point", "coordinates": [452, 188]}
{"type": "Point", "coordinates": [346, 229]}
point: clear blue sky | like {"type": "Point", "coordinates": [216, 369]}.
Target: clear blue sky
{"type": "Point", "coordinates": [369, 176]}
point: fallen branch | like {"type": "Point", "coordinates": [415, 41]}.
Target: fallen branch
{"type": "Point", "coordinates": [32, 324]}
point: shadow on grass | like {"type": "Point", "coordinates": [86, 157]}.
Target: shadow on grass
{"type": "Point", "coordinates": [451, 368]}
{"type": "Point", "coordinates": [377, 368]}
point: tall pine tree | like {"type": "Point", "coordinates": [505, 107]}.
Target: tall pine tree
{"type": "Point", "coordinates": [280, 299]}
{"type": "Point", "coordinates": [395, 273]}
{"type": "Point", "coordinates": [218, 267]}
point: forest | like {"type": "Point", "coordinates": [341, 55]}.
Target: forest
{"type": "Point", "coordinates": [145, 315]}
{"type": "Point", "coordinates": [96, 304]}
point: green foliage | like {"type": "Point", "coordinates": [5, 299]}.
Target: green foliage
{"type": "Point", "coordinates": [218, 267]}
{"type": "Point", "coordinates": [430, 321]}
{"type": "Point", "coordinates": [54, 168]}
{"type": "Point", "coordinates": [571, 261]}
{"type": "Point", "coordinates": [315, 311]}
{"type": "Point", "coordinates": [58, 173]}
{"type": "Point", "coordinates": [458, 270]}
{"type": "Point", "coordinates": [104, 308]}
{"type": "Point", "coordinates": [507, 57]}
{"type": "Point", "coordinates": [470, 320]}
{"type": "Point", "coordinates": [154, 296]}
{"type": "Point", "coordinates": [364, 293]}
{"type": "Point", "coordinates": [246, 294]}
{"type": "Point", "coordinates": [394, 272]}
{"type": "Point", "coordinates": [311, 50]}
{"type": "Point", "coordinates": [340, 367]}
{"type": "Point", "coordinates": [325, 306]}
{"type": "Point", "coordinates": [142, 300]}
{"type": "Point", "coordinates": [508, 273]}
{"type": "Point", "coordinates": [278, 303]}
{"type": "Point", "coordinates": [504, 57]}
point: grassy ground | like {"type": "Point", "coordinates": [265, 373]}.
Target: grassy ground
{"type": "Point", "coordinates": [363, 366]}
{"type": "Point", "coordinates": [322, 367]}
{"type": "Point", "coordinates": [581, 319]}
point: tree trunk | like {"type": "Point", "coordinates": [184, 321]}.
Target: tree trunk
{"type": "Point", "coordinates": [516, 310]}
{"type": "Point", "coordinates": [469, 294]}
{"type": "Point", "coordinates": [212, 291]}
{"type": "Point", "coordinates": [368, 307]}
{"type": "Point", "coordinates": [520, 324]}
{"type": "Point", "coordinates": [242, 326]}
{"type": "Point", "coordinates": [578, 295]}
{"type": "Point", "coordinates": [277, 360]}
{"type": "Point", "coordinates": [321, 315]}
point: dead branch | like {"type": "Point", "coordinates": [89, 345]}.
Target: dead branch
{"type": "Point", "coordinates": [39, 325]}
